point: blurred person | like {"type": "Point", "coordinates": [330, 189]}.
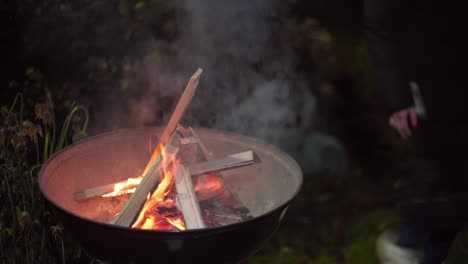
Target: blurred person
{"type": "Point", "coordinates": [419, 52]}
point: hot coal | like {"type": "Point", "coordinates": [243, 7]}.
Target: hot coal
{"type": "Point", "coordinates": [217, 211]}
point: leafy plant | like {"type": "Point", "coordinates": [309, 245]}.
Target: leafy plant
{"type": "Point", "coordinates": [28, 231]}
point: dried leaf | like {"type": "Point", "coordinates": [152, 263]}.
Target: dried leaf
{"type": "Point", "coordinates": [30, 130]}
{"type": "Point", "coordinates": [56, 231]}
{"type": "Point", "coordinates": [44, 113]}
{"type": "Point", "coordinates": [40, 110]}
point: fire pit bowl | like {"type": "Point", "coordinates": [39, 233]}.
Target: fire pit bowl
{"type": "Point", "coordinates": [265, 188]}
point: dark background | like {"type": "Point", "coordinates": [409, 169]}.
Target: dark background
{"type": "Point", "coordinates": [103, 55]}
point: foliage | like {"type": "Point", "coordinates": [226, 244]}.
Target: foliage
{"type": "Point", "coordinates": [28, 231]}
{"type": "Point", "coordinates": [358, 246]}
{"type": "Point", "coordinates": [69, 40]}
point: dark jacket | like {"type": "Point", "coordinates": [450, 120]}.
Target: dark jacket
{"type": "Point", "coordinates": [425, 42]}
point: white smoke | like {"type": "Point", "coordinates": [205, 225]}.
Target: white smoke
{"type": "Point", "coordinates": [246, 86]}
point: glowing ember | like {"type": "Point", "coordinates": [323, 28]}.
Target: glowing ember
{"type": "Point", "coordinates": [160, 211]}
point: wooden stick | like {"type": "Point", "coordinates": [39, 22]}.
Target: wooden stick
{"type": "Point", "coordinates": [231, 161]}
{"type": "Point", "coordinates": [187, 199]}
{"type": "Point", "coordinates": [108, 188]}
{"type": "Point", "coordinates": [151, 174]}
{"type": "Point", "coordinates": [134, 204]}
{"type": "Point", "coordinates": [179, 111]}
{"type": "Point", "coordinates": [182, 105]}
{"type": "Point", "coordinates": [209, 156]}
{"type": "Point", "coordinates": [95, 191]}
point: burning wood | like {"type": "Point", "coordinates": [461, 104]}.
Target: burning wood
{"type": "Point", "coordinates": [186, 196]}
{"type": "Point", "coordinates": [106, 189]}
{"type": "Point", "coordinates": [227, 209]}
{"type": "Point", "coordinates": [129, 185]}
{"type": "Point", "coordinates": [207, 155]}
{"type": "Point", "coordinates": [147, 184]}
{"type": "Point", "coordinates": [136, 201]}
{"type": "Point", "coordinates": [171, 166]}
{"type": "Point", "coordinates": [187, 199]}
{"type": "Point", "coordinates": [181, 106]}
{"type": "Point", "coordinates": [160, 210]}
{"type": "Point", "coordinates": [231, 161]}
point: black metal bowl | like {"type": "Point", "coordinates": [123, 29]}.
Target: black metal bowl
{"type": "Point", "coordinates": [265, 188]}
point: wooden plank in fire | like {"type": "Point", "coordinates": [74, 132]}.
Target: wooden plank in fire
{"type": "Point", "coordinates": [134, 204]}
{"type": "Point", "coordinates": [208, 155]}
{"type": "Point", "coordinates": [96, 191]}
{"type": "Point", "coordinates": [182, 105]}
{"type": "Point", "coordinates": [138, 198]}
{"type": "Point", "coordinates": [209, 163]}
{"type": "Point", "coordinates": [177, 114]}
{"type": "Point", "coordinates": [186, 199]}
{"type": "Point", "coordinates": [228, 162]}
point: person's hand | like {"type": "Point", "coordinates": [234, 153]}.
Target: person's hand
{"type": "Point", "coordinates": [402, 120]}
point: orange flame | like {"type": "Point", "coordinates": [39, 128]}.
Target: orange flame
{"type": "Point", "coordinates": [209, 186]}
{"type": "Point", "coordinates": [208, 183]}
{"type": "Point", "coordinates": [160, 210]}
{"type": "Point", "coordinates": [125, 187]}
